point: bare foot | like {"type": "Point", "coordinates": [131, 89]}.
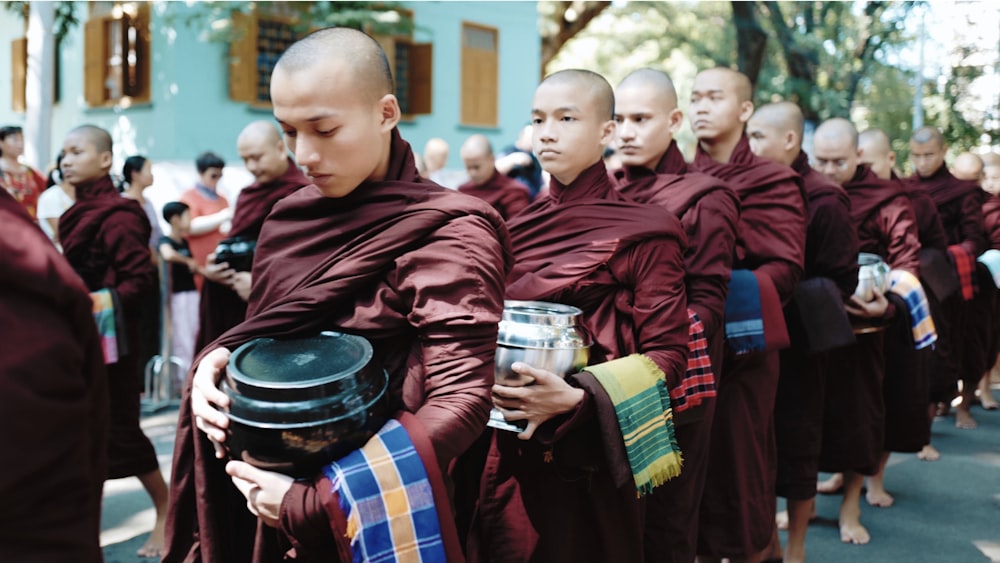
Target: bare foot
{"type": "Point", "coordinates": [986, 395]}
{"type": "Point", "coordinates": [879, 498]}
{"type": "Point", "coordinates": [781, 520]}
{"type": "Point", "coordinates": [964, 420]}
{"type": "Point", "coordinates": [154, 545]}
{"type": "Point", "coordinates": [854, 532]}
{"type": "Point", "coordinates": [943, 409]}
{"type": "Point", "coordinates": [929, 453]}
{"type": "Point", "coordinates": [851, 530]}
{"type": "Point", "coordinates": [831, 485]}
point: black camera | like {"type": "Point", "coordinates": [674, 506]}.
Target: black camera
{"type": "Point", "coordinates": [237, 252]}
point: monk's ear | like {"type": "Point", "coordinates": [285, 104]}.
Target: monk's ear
{"type": "Point", "coordinates": [791, 141]}
{"type": "Point", "coordinates": [892, 158]}
{"type": "Point", "coordinates": [106, 159]}
{"type": "Point", "coordinates": [608, 132]}
{"type": "Point", "coordinates": [388, 107]}
{"type": "Point", "coordinates": [675, 120]}
{"type": "Point", "coordinates": [746, 110]}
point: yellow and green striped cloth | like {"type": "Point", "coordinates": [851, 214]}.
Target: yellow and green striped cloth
{"type": "Point", "coordinates": [638, 390]}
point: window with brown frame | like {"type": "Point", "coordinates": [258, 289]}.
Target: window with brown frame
{"type": "Point", "coordinates": [116, 54]}
{"type": "Point", "coordinates": [412, 66]}
{"type": "Point", "coordinates": [259, 39]}
{"type": "Point", "coordinates": [480, 68]}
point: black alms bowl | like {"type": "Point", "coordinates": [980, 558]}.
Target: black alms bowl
{"type": "Point", "coordinates": [296, 405]}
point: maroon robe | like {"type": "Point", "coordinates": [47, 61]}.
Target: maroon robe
{"type": "Point", "coordinates": [621, 263]}
{"type": "Point", "coordinates": [831, 252]}
{"type": "Point", "coordinates": [105, 237]}
{"type": "Point", "coordinates": [416, 269]}
{"type": "Point", "coordinates": [991, 219]}
{"type": "Point", "coordinates": [959, 203]}
{"type": "Point", "coordinates": [53, 401]}
{"type": "Point", "coordinates": [709, 212]}
{"type": "Point", "coordinates": [737, 509]}
{"type": "Point", "coordinates": [505, 194]}
{"type": "Point", "coordinates": [221, 308]}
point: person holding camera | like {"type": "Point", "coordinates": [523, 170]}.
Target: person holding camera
{"type": "Point", "coordinates": [224, 296]}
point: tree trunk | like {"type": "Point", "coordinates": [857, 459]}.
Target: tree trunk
{"type": "Point", "coordinates": [584, 12]}
{"type": "Point", "coordinates": [38, 89]}
{"type": "Point", "coordinates": [750, 39]}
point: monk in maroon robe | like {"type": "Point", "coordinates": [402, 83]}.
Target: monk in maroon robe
{"type": "Point", "coordinates": [53, 401]}
{"type": "Point", "coordinates": [505, 194]}
{"type": "Point", "coordinates": [263, 151]}
{"type": "Point", "coordinates": [105, 237]}
{"type": "Point", "coordinates": [991, 219]}
{"type": "Point", "coordinates": [737, 510]}
{"type": "Point", "coordinates": [909, 371]}
{"type": "Point", "coordinates": [654, 171]}
{"type": "Point", "coordinates": [621, 263]}
{"type": "Point", "coordinates": [370, 249]}
{"type": "Point", "coordinates": [854, 425]}
{"type": "Point", "coordinates": [960, 205]}
{"type": "Point", "coordinates": [775, 132]}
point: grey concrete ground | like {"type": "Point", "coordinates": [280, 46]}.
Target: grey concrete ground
{"type": "Point", "coordinates": [945, 512]}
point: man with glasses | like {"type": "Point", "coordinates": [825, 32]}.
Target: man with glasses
{"type": "Point", "coordinates": [210, 211]}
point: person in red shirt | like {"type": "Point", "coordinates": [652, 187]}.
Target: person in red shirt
{"type": "Point", "coordinates": [21, 181]}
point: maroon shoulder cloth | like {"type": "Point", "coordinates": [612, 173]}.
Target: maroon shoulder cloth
{"type": "Point", "coordinates": [101, 214]}
{"type": "Point", "coordinates": [991, 216]}
{"type": "Point", "coordinates": [505, 194]}
{"type": "Point", "coordinates": [868, 193]}
{"type": "Point", "coordinates": [959, 204]}
{"type": "Point", "coordinates": [381, 263]}
{"type": "Point", "coordinates": [53, 391]}
{"type": "Point", "coordinates": [220, 308]}
{"type": "Point", "coordinates": [256, 201]}
{"type": "Point", "coordinates": [772, 228]}
{"type": "Point", "coordinates": [557, 243]}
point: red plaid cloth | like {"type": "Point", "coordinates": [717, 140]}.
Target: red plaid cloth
{"type": "Point", "coordinates": [965, 266]}
{"type": "Point", "coordinates": [699, 380]}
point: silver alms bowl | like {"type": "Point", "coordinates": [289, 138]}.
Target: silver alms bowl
{"type": "Point", "coordinates": [547, 336]}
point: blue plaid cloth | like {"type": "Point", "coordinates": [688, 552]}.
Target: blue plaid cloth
{"type": "Point", "coordinates": [387, 498]}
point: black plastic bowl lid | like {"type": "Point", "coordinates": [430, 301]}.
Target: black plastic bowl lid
{"type": "Point", "coordinates": [267, 364]}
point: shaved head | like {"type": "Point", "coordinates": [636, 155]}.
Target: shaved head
{"type": "Point", "coordinates": [876, 152]}
{"type": "Point", "coordinates": [991, 159]}
{"type": "Point", "coordinates": [96, 135]}
{"type": "Point", "coordinates": [775, 132]}
{"type": "Point", "coordinates": [838, 129]}
{"type": "Point", "coordinates": [782, 115]}
{"type": "Point", "coordinates": [362, 55]}
{"type": "Point", "coordinates": [477, 156]}
{"type": "Point", "coordinates": [653, 80]}
{"type": "Point", "coordinates": [736, 81]}
{"type": "Point", "coordinates": [263, 131]}
{"type": "Point", "coordinates": [589, 83]}
{"type": "Point", "coordinates": [435, 154]}
{"type": "Point", "coordinates": [968, 166]}
{"type": "Point", "coordinates": [835, 150]}
{"type": "Point", "coordinates": [476, 145]}
{"type": "Point", "coordinates": [874, 141]}
{"type": "Point", "coordinates": [927, 151]}
{"type": "Point", "coordinates": [928, 134]}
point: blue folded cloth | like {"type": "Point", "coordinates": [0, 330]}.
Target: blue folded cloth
{"type": "Point", "coordinates": [744, 317]}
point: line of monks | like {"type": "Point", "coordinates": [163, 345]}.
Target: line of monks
{"type": "Point", "coordinates": [733, 358]}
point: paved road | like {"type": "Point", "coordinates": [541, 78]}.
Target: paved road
{"type": "Point", "coordinates": [946, 511]}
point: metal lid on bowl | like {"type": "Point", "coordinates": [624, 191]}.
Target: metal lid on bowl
{"type": "Point", "coordinates": [541, 313]}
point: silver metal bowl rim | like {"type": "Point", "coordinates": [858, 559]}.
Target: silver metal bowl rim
{"type": "Point", "coordinates": [554, 314]}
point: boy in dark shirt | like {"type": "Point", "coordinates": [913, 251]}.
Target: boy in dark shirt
{"type": "Point", "coordinates": [174, 249]}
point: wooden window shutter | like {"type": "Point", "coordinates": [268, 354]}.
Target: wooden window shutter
{"type": "Point", "coordinates": [95, 56]}
{"type": "Point", "coordinates": [480, 70]}
{"type": "Point", "coordinates": [19, 74]}
{"type": "Point", "coordinates": [243, 59]}
{"type": "Point", "coordinates": [135, 41]}
{"type": "Point", "coordinates": [421, 77]}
